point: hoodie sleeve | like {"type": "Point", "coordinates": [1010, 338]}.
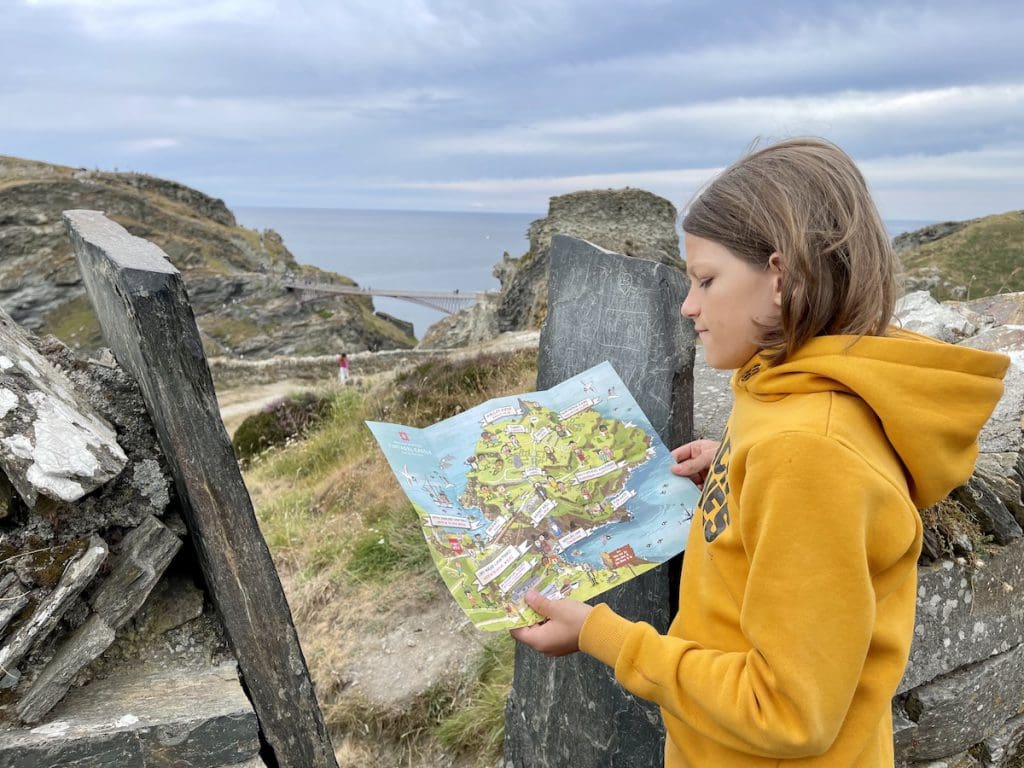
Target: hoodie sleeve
{"type": "Point", "coordinates": [809, 513]}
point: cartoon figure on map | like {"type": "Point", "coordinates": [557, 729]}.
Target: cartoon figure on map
{"type": "Point", "coordinates": [577, 452]}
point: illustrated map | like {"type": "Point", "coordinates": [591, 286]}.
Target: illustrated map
{"type": "Point", "coordinates": [566, 491]}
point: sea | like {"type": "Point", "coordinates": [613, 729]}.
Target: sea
{"type": "Point", "coordinates": [412, 250]}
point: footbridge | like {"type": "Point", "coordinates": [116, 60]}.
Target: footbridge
{"type": "Point", "coordinates": [447, 302]}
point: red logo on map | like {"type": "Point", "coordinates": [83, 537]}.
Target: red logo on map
{"type": "Point", "coordinates": [456, 545]}
{"type": "Point", "coordinates": [404, 436]}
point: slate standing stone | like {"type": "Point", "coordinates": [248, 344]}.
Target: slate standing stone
{"type": "Point", "coordinates": [146, 319]}
{"type": "Point", "coordinates": [570, 712]}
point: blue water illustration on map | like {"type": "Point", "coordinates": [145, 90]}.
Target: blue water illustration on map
{"type": "Point", "coordinates": [567, 491]}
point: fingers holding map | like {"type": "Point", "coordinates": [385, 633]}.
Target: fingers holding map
{"type": "Point", "coordinates": [566, 491]}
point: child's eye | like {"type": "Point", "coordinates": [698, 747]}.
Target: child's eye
{"type": "Point", "coordinates": [705, 282]}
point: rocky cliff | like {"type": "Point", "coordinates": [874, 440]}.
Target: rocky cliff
{"type": "Point", "coordinates": [233, 275]}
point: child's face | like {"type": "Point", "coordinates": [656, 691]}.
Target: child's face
{"type": "Point", "coordinates": [727, 297]}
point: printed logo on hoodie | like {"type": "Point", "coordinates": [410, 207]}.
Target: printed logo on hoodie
{"type": "Point", "coordinates": [714, 504]}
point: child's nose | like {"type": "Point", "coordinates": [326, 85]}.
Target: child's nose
{"type": "Point", "coordinates": [689, 308]}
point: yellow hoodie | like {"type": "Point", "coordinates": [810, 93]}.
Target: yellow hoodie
{"type": "Point", "coordinates": [796, 609]}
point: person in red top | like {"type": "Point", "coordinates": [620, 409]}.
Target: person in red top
{"type": "Point", "coordinates": [343, 368]}
{"type": "Point", "coordinates": [798, 591]}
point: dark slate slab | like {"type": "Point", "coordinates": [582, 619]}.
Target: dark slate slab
{"type": "Point", "coordinates": [76, 577]}
{"type": "Point", "coordinates": [143, 310]}
{"type": "Point", "coordinates": [85, 644]}
{"type": "Point", "coordinates": [985, 506]}
{"type": "Point", "coordinates": [177, 718]}
{"type": "Point", "coordinates": [603, 306]}
{"type": "Point", "coordinates": [145, 553]}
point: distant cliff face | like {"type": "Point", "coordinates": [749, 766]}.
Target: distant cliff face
{"type": "Point", "coordinates": [231, 273]}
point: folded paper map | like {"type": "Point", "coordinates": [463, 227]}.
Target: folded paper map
{"type": "Point", "coordinates": [566, 491]}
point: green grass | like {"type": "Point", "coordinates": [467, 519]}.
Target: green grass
{"type": "Point", "coordinates": [75, 323]}
{"type": "Point", "coordinates": [438, 389]}
{"type": "Point", "coordinates": [985, 257]}
{"type": "Point", "coordinates": [340, 436]}
{"type": "Point", "coordinates": [380, 326]}
{"type": "Point", "coordinates": [478, 723]}
{"type": "Point", "coordinates": [391, 546]}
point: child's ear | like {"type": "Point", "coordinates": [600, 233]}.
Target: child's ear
{"type": "Point", "coordinates": [775, 269]}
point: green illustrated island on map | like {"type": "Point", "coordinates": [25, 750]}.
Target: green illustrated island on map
{"type": "Point", "coordinates": [546, 503]}
{"type": "Point", "coordinates": [539, 497]}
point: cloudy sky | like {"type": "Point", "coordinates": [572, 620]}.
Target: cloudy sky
{"type": "Point", "coordinates": [473, 104]}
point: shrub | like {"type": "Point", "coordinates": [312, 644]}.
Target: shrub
{"type": "Point", "coordinates": [278, 422]}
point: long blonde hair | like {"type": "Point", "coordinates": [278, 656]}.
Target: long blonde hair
{"type": "Point", "coordinates": [805, 199]}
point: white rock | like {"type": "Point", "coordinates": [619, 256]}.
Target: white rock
{"type": "Point", "coordinates": [920, 313]}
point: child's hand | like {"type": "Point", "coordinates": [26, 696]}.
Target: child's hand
{"type": "Point", "coordinates": [560, 634]}
{"type": "Point", "coordinates": [694, 459]}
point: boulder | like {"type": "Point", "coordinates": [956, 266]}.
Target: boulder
{"type": "Point", "coordinates": [920, 313]}
{"type": "Point", "coordinates": [1004, 744]}
{"type": "Point", "coordinates": [1003, 432]}
{"type": "Point", "coordinates": [965, 613]}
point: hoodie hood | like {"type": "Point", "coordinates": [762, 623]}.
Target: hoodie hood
{"type": "Point", "coordinates": [931, 398]}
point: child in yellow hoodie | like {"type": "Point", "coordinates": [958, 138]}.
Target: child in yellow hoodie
{"type": "Point", "coordinates": [796, 607]}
